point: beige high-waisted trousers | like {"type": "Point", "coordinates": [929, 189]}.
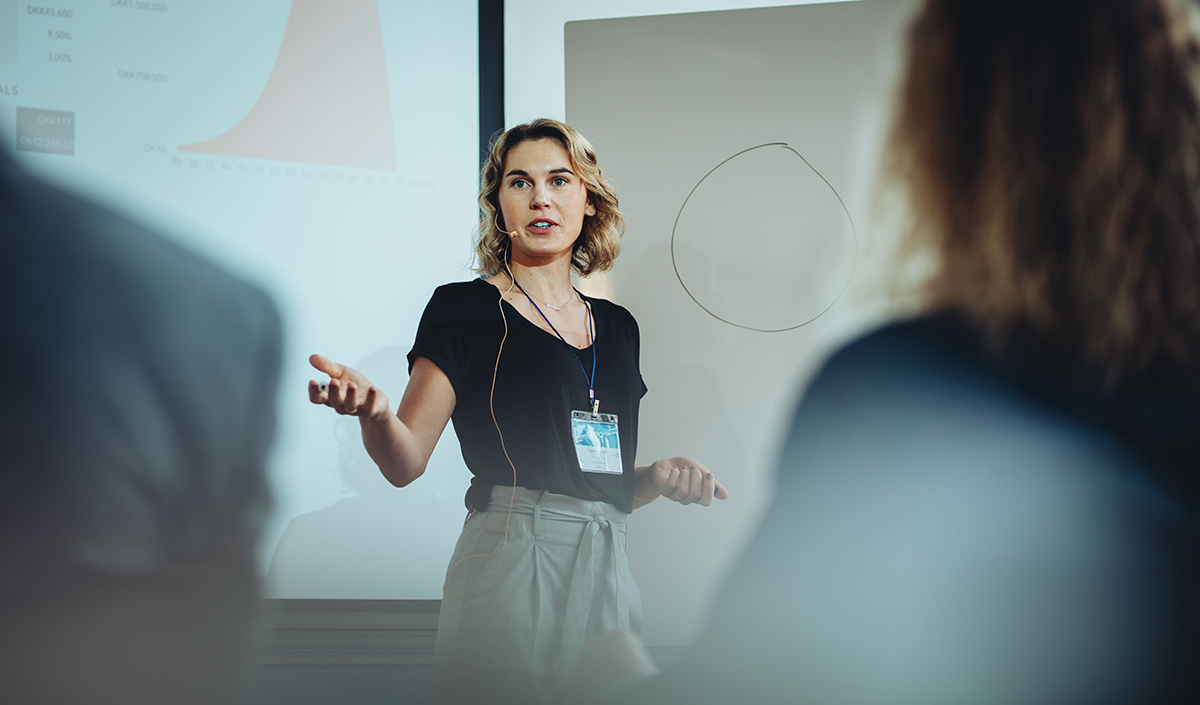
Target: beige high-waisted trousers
{"type": "Point", "coordinates": [512, 625]}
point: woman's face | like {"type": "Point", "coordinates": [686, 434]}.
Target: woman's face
{"type": "Point", "coordinates": [542, 200]}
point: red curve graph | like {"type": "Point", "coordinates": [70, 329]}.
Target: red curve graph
{"type": "Point", "coordinates": [336, 44]}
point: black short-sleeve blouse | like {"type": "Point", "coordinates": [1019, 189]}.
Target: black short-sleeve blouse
{"type": "Point", "coordinates": [538, 384]}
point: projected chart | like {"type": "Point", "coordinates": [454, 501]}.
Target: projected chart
{"type": "Point", "coordinates": [275, 138]}
{"type": "Point", "coordinates": [301, 81]}
{"type": "Point", "coordinates": [32, 33]}
{"type": "Point", "coordinates": [43, 36]}
{"type": "Point", "coordinates": [48, 131]}
{"type": "Point", "coordinates": [339, 47]}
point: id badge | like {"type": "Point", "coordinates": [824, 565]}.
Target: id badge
{"type": "Point", "coordinates": [596, 442]}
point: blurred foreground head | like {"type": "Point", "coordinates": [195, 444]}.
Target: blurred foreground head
{"type": "Point", "coordinates": [135, 423]}
{"type": "Point", "coordinates": [1051, 151]}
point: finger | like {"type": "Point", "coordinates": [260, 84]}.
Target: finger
{"type": "Point", "coordinates": [709, 487]}
{"type": "Point", "coordinates": [353, 400]}
{"type": "Point", "coordinates": [315, 394]}
{"type": "Point", "coordinates": [336, 396]}
{"type": "Point", "coordinates": [695, 484]}
{"type": "Point", "coordinates": [683, 491]}
{"type": "Point", "coordinates": [689, 486]}
{"type": "Point", "coordinates": [326, 365]}
{"type": "Point", "coordinates": [670, 484]}
{"type": "Point", "coordinates": [720, 492]}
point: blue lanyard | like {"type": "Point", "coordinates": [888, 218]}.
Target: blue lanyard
{"type": "Point", "coordinates": [589, 380]}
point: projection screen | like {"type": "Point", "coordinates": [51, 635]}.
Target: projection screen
{"type": "Point", "coordinates": [324, 149]}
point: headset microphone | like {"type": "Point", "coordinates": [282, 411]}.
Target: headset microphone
{"type": "Point", "coordinates": [513, 233]}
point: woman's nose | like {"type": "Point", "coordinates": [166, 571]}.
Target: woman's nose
{"type": "Point", "coordinates": [540, 197]}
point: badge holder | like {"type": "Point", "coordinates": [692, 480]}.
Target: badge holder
{"type": "Point", "coordinates": [597, 443]}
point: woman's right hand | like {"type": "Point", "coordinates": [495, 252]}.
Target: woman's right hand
{"type": "Point", "coordinates": [400, 443]}
{"type": "Point", "coordinates": [348, 391]}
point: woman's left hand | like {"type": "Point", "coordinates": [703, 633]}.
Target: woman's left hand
{"type": "Point", "coordinates": [680, 479]}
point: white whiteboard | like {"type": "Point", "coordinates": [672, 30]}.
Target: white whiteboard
{"type": "Point", "coordinates": [534, 89]}
{"type": "Point", "coordinates": [801, 96]}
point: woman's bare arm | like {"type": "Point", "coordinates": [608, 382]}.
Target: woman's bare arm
{"type": "Point", "coordinates": [400, 443]}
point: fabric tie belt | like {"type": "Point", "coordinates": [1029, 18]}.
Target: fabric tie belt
{"type": "Point", "coordinates": [596, 567]}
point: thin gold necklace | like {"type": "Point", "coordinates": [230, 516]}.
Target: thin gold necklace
{"type": "Point", "coordinates": [558, 308]}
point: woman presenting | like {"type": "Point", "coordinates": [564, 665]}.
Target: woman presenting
{"type": "Point", "coordinates": [543, 386]}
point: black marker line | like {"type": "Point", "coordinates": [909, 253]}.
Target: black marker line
{"type": "Point", "coordinates": [853, 230]}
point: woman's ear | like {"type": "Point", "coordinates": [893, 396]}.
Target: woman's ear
{"type": "Point", "coordinates": [590, 210]}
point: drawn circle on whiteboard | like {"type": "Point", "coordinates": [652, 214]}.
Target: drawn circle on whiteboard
{"type": "Point", "coordinates": [764, 242]}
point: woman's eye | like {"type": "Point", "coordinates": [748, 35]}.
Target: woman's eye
{"type": "Point", "coordinates": [559, 181]}
{"type": "Point", "coordinates": [518, 183]}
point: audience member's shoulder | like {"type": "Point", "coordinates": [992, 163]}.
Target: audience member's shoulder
{"type": "Point", "coordinates": [911, 357]}
{"type": "Point", "coordinates": [917, 404]}
{"type": "Point", "coordinates": [910, 343]}
{"type": "Point", "coordinates": [106, 254]}
{"type": "Point", "coordinates": [924, 388]}
{"type": "Point", "coordinates": [136, 249]}
{"type": "Point", "coordinates": [924, 391]}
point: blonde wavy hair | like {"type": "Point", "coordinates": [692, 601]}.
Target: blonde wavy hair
{"type": "Point", "coordinates": [599, 241]}
{"type": "Point", "coordinates": [1051, 155]}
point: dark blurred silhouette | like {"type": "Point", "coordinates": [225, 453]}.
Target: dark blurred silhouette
{"type": "Point", "coordinates": [137, 414]}
{"type": "Point", "coordinates": [997, 502]}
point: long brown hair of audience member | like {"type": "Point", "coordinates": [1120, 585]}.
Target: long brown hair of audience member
{"type": "Point", "coordinates": [1051, 156]}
